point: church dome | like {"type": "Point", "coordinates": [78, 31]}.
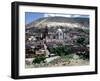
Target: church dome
{"type": "Point", "coordinates": [59, 30]}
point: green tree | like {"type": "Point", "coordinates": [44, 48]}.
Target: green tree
{"type": "Point", "coordinates": [81, 40]}
{"type": "Point", "coordinates": [39, 59]}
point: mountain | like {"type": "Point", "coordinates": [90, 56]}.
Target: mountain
{"type": "Point", "coordinates": [59, 21]}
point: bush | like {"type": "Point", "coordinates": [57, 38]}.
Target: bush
{"type": "Point", "coordinates": [81, 40]}
{"type": "Point", "coordinates": [84, 55]}
{"type": "Point", "coordinates": [39, 59]}
{"type": "Point", "coordinates": [60, 50]}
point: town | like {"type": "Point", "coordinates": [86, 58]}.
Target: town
{"type": "Point", "coordinates": [58, 43]}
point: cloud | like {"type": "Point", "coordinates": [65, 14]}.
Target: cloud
{"type": "Point", "coordinates": [82, 16]}
{"type": "Point", "coordinates": [65, 15]}
{"type": "Point", "coordinates": [52, 15]}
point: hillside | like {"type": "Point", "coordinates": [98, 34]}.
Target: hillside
{"type": "Point", "coordinates": [59, 21]}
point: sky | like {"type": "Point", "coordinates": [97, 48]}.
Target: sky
{"type": "Point", "coordinates": [31, 16]}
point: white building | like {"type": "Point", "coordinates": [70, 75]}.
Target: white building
{"type": "Point", "coordinates": [60, 34]}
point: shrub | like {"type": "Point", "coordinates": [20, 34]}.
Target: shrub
{"type": "Point", "coordinates": [84, 55]}
{"type": "Point", "coordinates": [80, 40]}
{"type": "Point", "coordinates": [39, 59]}
{"type": "Point", "coordinates": [60, 50]}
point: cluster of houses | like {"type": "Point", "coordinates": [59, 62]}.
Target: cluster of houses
{"type": "Point", "coordinates": [37, 43]}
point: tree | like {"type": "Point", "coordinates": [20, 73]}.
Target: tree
{"type": "Point", "coordinates": [85, 53]}
{"type": "Point", "coordinates": [39, 59]}
{"type": "Point", "coordinates": [81, 40]}
{"type": "Point", "coordinates": [60, 50]}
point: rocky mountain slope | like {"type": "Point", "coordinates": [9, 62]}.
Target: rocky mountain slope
{"type": "Point", "coordinates": [59, 21]}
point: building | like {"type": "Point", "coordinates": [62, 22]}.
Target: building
{"type": "Point", "coordinates": [59, 34]}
